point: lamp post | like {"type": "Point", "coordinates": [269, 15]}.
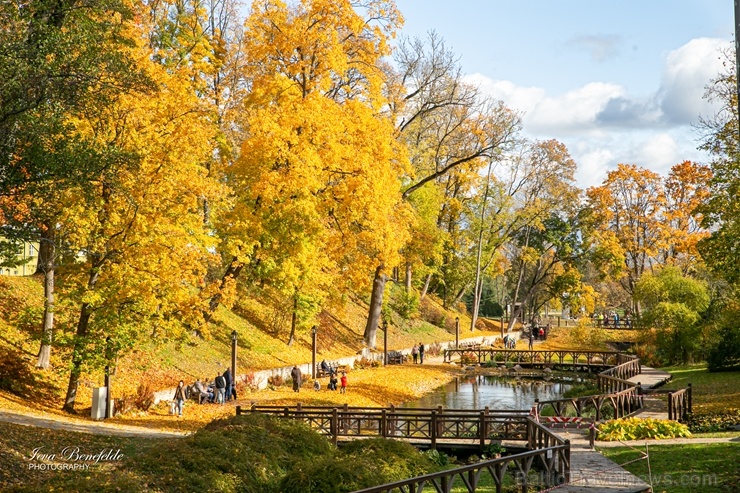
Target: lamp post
{"type": "Point", "coordinates": [108, 399]}
{"type": "Point", "coordinates": [385, 342]}
{"type": "Point", "coordinates": [457, 332]}
{"type": "Point", "coordinates": [313, 352]}
{"type": "Point", "coordinates": [233, 361]}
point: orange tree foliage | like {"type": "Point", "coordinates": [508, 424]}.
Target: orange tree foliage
{"type": "Point", "coordinates": [627, 214]}
{"type": "Point", "coordinates": [317, 201]}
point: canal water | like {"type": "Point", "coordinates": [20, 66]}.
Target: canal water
{"type": "Point", "coordinates": [479, 391]}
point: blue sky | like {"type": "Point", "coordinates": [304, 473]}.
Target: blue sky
{"type": "Point", "coordinates": [616, 81]}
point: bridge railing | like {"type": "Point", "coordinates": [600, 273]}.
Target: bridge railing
{"type": "Point", "coordinates": [416, 425]}
{"type": "Point", "coordinates": [543, 357]}
{"type": "Point", "coordinates": [549, 455]}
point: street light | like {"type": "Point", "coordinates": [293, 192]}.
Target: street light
{"type": "Point", "coordinates": [233, 361]}
{"type": "Point", "coordinates": [457, 332]}
{"type": "Point", "coordinates": [313, 352]}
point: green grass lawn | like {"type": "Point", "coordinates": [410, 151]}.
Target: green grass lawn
{"type": "Point", "coordinates": [705, 468]}
{"type": "Point", "coordinates": [712, 392]}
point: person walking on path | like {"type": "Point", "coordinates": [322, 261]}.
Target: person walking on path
{"type": "Point", "coordinates": [415, 353]}
{"type": "Point", "coordinates": [421, 353]}
{"type": "Point", "coordinates": [343, 382]}
{"type": "Point", "coordinates": [333, 381]}
{"type": "Point", "coordinates": [180, 398]}
{"type": "Point", "coordinates": [296, 375]}
{"type": "Point", "coordinates": [531, 338]}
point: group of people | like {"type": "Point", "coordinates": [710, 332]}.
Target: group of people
{"type": "Point", "coordinates": [297, 377]}
{"type": "Point", "coordinates": [219, 391]}
{"type": "Point", "coordinates": [509, 342]}
{"type": "Point", "coordinates": [417, 353]}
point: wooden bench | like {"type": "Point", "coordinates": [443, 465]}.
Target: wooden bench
{"type": "Point", "coordinates": [396, 358]}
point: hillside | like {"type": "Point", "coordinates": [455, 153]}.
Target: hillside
{"type": "Point", "coordinates": [261, 343]}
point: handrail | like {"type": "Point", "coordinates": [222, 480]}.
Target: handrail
{"type": "Point", "coordinates": [553, 455]}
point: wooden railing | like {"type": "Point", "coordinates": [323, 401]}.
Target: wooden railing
{"type": "Point", "coordinates": [420, 426]}
{"type": "Point", "coordinates": [549, 455]}
{"type": "Point", "coordinates": [620, 395]}
{"type": "Point", "coordinates": [562, 358]}
{"type": "Point", "coordinates": [679, 402]}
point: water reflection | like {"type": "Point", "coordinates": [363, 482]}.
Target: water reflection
{"type": "Point", "coordinates": [479, 391]}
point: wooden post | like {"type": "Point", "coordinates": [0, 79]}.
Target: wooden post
{"type": "Point", "coordinates": [433, 430]}
{"type": "Point", "coordinates": [670, 406]}
{"type": "Point", "coordinates": [383, 424]}
{"type": "Point", "coordinates": [482, 429]}
{"type": "Point", "coordinates": [313, 352]}
{"type": "Point", "coordinates": [690, 398]}
{"type": "Point", "coordinates": [334, 426]}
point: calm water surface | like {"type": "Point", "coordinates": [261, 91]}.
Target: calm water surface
{"type": "Point", "coordinates": [479, 391]}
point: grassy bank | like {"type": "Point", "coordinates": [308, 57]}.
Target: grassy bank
{"type": "Point", "coordinates": [707, 468]}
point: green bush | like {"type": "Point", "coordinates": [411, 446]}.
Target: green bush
{"type": "Point", "coordinates": [725, 353]}
{"type": "Point", "coordinates": [641, 428]}
{"type": "Point", "coordinates": [582, 390]}
{"type": "Point", "coordinates": [362, 464]}
{"type": "Point", "coordinates": [406, 304]}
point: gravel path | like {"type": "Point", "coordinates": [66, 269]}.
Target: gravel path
{"type": "Point", "coordinates": [95, 428]}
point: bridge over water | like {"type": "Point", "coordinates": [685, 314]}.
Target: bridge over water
{"type": "Point", "coordinates": [542, 457]}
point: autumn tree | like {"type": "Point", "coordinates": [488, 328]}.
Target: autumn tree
{"type": "Point", "coordinates": [62, 57]}
{"type": "Point", "coordinates": [687, 189]}
{"type": "Point", "coordinates": [627, 222]}
{"type": "Point", "coordinates": [448, 127]}
{"type": "Point", "coordinates": [317, 180]}
{"type": "Point", "coordinates": [673, 305]}
{"type": "Point", "coordinates": [721, 213]}
{"type": "Point", "coordinates": [139, 227]}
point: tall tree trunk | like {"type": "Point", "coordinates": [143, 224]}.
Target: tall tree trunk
{"type": "Point", "coordinates": [376, 306]}
{"type": "Point", "coordinates": [77, 358]}
{"type": "Point", "coordinates": [408, 276]}
{"type": "Point", "coordinates": [80, 346]}
{"type": "Point", "coordinates": [478, 287]}
{"type": "Point", "coordinates": [293, 318]}
{"type": "Point", "coordinates": [47, 260]}
{"type": "Point", "coordinates": [232, 272]}
{"type": "Point", "coordinates": [426, 286]}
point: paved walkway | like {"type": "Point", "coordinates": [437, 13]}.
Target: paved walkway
{"type": "Point", "coordinates": [591, 472]}
{"type": "Point", "coordinates": [95, 428]}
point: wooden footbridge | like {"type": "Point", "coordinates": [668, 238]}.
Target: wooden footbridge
{"type": "Point", "coordinates": [541, 458]}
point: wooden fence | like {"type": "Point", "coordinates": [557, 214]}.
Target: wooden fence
{"type": "Point", "coordinates": [549, 455]}
{"type": "Point", "coordinates": [428, 426]}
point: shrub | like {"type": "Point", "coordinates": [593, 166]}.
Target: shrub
{"type": "Point", "coordinates": [725, 353]}
{"type": "Point", "coordinates": [434, 349]}
{"type": "Point", "coordinates": [468, 358]}
{"type": "Point", "coordinates": [249, 383]}
{"type": "Point", "coordinates": [275, 381]}
{"type": "Point", "coordinates": [581, 390]}
{"type": "Point", "coordinates": [406, 304]}
{"type": "Point", "coordinates": [144, 398]}
{"type": "Point", "coordinates": [638, 429]}
{"type": "Point", "coordinates": [432, 313]}
{"type": "Point", "coordinates": [15, 375]}
{"type": "Point", "coordinates": [366, 363]}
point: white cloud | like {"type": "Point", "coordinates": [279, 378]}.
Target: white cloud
{"type": "Point", "coordinates": [687, 71]}
{"type": "Point", "coordinates": [603, 125]}
{"type": "Point", "coordinates": [600, 48]}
